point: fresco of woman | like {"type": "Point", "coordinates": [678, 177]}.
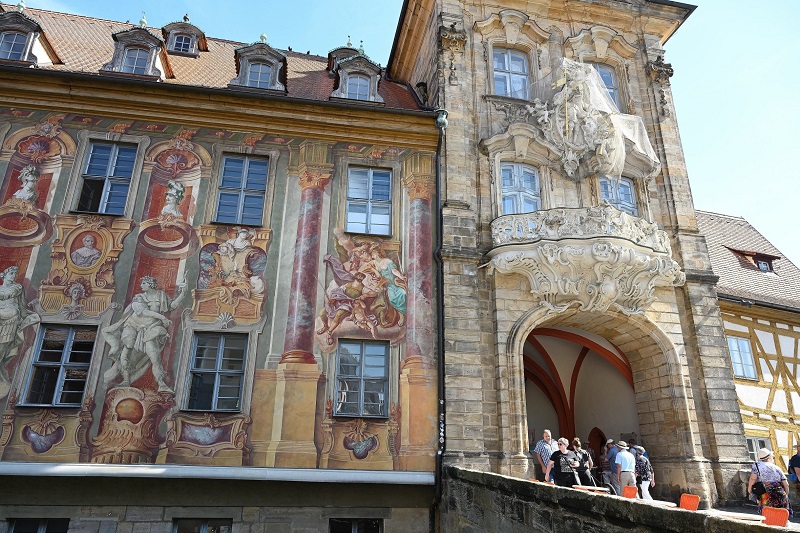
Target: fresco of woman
{"type": "Point", "coordinates": [396, 282]}
{"type": "Point", "coordinates": [14, 318]}
{"type": "Point", "coordinates": [141, 334]}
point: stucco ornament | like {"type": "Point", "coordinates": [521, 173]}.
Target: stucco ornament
{"type": "Point", "coordinates": [28, 177]}
{"type": "Point", "coordinates": [594, 257]}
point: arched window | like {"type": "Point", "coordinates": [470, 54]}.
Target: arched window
{"type": "Point", "coordinates": [520, 188]}
{"type": "Point", "coordinates": [510, 73]}
{"type": "Point", "coordinates": [259, 75]}
{"type": "Point", "coordinates": [609, 77]}
{"type": "Point", "coordinates": [12, 45]}
{"type": "Point", "coordinates": [619, 193]}
{"type": "Point", "coordinates": [183, 43]}
{"type": "Point", "coordinates": [358, 87]}
{"type": "Point", "coordinates": [135, 61]}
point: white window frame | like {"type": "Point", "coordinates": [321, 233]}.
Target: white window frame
{"type": "Point", "coordinates": [184, 38]}
{"type": "Point", "coordinates": [358, 86]}
{"type": "Point", "coordinates": [207, 525]}
{"type": "Point", "coordinates": [63, 365]}
{"type": "Point", "coordinates": [140, 62]}
{"type": "Point", "coordinates": [612, 88]}
{"type": "Point", "coordinates": [756, 443]}
{"type": "Point", "coordinates": [517, 191]}
{"type": "Point", "coordinates": [743, 362]}
{"type": "Point", "coordinates": [341, 389]}
{"type": "Point", "coordinates": [510, 75]}
{"type": "Point", "coordinates": [108, 177]}
{"type": "Point", "coordinates": [16, 35]}
{"type": "Point", "coordinates": [242, 190]}
{"type": "Point", "coordinates": [614, 187]}
{"type": "Point", "coordinates": [369, 202]}
{"type": "Point", "coordinates": [260, 81]}
{"type": "Point", "coordinates": [218, 371]}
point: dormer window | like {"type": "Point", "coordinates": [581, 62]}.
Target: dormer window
{"type": "Point", "coordinates": [183, 38]}
{"type": "Point", "coordinates": [23, 41]}
{"type": "Point", "coordinates": [764, 265]}
{"type": "Point", "coordinates": [138, 52]}
{"type": "Point", "coordinates": [12, 45]}
{"type": "Point", "coordinates": [358, 87]}
{"type": "Point", "coordinates": [356, 76]}
{"type": "Point", "coordinates": [135, 61]}
{"type": "Point", "coordinates": [762, 261]}
{"type": "Point", "coordinates": [259, 75]}
{"type": "Point", "coordinates": [261, 67]}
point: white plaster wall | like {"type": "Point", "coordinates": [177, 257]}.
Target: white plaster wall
{"type": "Point", "coordinates": [541, 414]}
{"type": "Point", "coordinates": [605, 399]}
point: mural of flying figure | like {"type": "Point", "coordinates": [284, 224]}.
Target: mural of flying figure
{"type": "Point", "coordinates": [138, 338]}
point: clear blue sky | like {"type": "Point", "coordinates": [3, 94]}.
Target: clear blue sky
{"type": "Point", "coordinates": [735, 86]}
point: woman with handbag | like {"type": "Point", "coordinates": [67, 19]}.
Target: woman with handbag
{"type": "Point", "coordinates": [767, 483]}
{"type": "Point", "coordinates": [585, 463]}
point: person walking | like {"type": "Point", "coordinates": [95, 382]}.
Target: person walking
{"type": "Point", "coordinates": [562, 465]}
{"type": "Point", "coordinates": [584, 463]}
{"type": "Point", "coordinates": [645, 477]}
{"type": "Point", "coordinates": [610, 474]}
{"type": "Point", "coordinates": [626, 464]}
{"type": "Point", "coordinates": [777, 488]}
{"type": "Point", "coordinates": [543, 450]}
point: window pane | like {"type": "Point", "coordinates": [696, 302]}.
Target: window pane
{"type": "Point", "coordinates": [357, 217]}
{"type": "Point", "coordinates": [201, 392]}
{"type": "Point", "coordinates": [99, 159]}
{"type": "Point", "coordinates": [508, 205]}
{"type": "Point", "coordinates": [529, 181]}
{"type": "Point", "coordinates": [259, 75]}
{"type": "Point", "coordinates": [529, 205]}
{"type": "Point", "coordinates": [27, 525]}
{"type": "Point", "coordinates": [501, 84]}
{"type": "Point", "coordinates": [123, 167]}
{"type": "Point", "coordinates": [358, 183]}
{"type": "Point", "coordinates": [625, 191]}
{"type": "Point", "coordinates": [253, 209]}
{"type": "Point", "coordinates": [257, 174]}
{"type": "Point", "coordinates": [43, 384]}
{"type": "Point", "coordinates": [381, 185]}
{"type": "Point", "coordinates": [232, 172]}
{"type": "Point", "coordinates": [82, 345]}
{"type": "Point", "coordinates": [53, 344]}
{"type": "Point", "coordinates": [117, 197]}
{"type": "Point", "coordinates": [500, 60]}
{"type": "Point", "coordinates": [183, 43]}
{"type": "Point", "coordinates": [228, 207]}
{"type": "Point", "coordinates": [73, 386]}
{"type": "Point", "coordinates": [135, 61]}
{"type": "Point", "coordinates": [518, 62]}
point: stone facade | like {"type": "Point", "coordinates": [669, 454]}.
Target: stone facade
{"type": "Point", "coordinates": [573, 280]}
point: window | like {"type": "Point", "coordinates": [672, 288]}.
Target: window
{"type": "Point", "coordinates": [259, 75]}
{"type": "Point", "coordinates": [369, 201]}
{"type": "Point", "coordinates": [242, 190]}
{"type": "Point", "coordinates": [36, 525]}
{"type": "Point", "coordinates": [358, 87]}
{"type": "Point", "coordinates": [12, 45]}
{"type": "Point", "coordinates": [756, 443]}
{"type": "Point", "coordinates": [357, 525]}
{"type": "Point", "coordinates": [362, 384]}
{"type": "Point", "coordinates": [609, 77]}
{"type": "Point", "coordinates": [135, 61]}
{"type": "Point", "coordinates": [619, 193]}
{"type": "Point", "coordinates": [217, 372]}
{"type": "Point", "coordinates": [510, 73]}
{"type": "Point", "coordinates": [742, 358]}
{"type": "Point", "coordinates": [520, 188]}
{"type": "Point", "coordinates": [190, 525]}
{"type": "Point", "coordinates": [109, 169]}
{"type": "Point", "coordinates": [763, 264]}
{"type": "Point", "coordinates": [58, 376]}
{"type": "Point", "coordinates": [183, 43]}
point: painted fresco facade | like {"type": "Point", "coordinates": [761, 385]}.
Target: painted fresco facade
{"type": "Point", "coordinates": [227, 284]}
{"type": "Point", "coordinates": [568, 218]}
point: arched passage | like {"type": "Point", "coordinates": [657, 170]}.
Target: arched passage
{"type": "Point", "coordinates": [576, 383]}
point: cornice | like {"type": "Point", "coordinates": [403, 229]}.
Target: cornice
{"type": "Point", "coordinates": [215, 108]}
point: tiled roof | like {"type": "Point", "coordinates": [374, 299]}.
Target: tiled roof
{"type": "Point", "coordinates": [84, 45]}
{"type": "Point", "coordinates": [739, 277]}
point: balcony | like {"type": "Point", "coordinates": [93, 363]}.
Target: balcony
{"type": "Point", "coordinates": [594, 257]}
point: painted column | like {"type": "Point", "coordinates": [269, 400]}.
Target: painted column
{"type": "Point", "coordinates": [417, 395]}
{"type": "Point", "coordinates": [298, 344]}
{"type": "Point", "coordinates": [418, 181]}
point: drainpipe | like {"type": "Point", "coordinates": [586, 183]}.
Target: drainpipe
{"type": "Point", "coordinates": [441, 124]}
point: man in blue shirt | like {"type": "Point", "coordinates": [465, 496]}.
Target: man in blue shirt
{"type": "Point", "coordinates": [610, 476]}
{"type": "Point", "coordinates": [544, 449]}
{"type": "Point", "coordinates": [626, 464]}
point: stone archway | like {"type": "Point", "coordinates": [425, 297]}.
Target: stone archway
{"type": "Point", "coordinates": [663, 404]}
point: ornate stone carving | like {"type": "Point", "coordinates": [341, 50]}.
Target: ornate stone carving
{"type": "Point", "coordinates": [129, 430]}
{"type": "Point", "coordinates": [230, 285]}
{"type": "Point", "coordinates": [452, 42]}
{"type": "Point", "coordinates": [594, 257]}
{"type": "Point", "coordinates": [659, 71]}
{"type": "Point", "coordinates": [206, 438]}
{"type": "Point", "coordinates": [85, 252]}
{"type": "Point", "coordinates": [662, 100]}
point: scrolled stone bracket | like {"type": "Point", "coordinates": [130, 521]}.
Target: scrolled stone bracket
{"type": "Point", "coordinates": [453, 42]}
